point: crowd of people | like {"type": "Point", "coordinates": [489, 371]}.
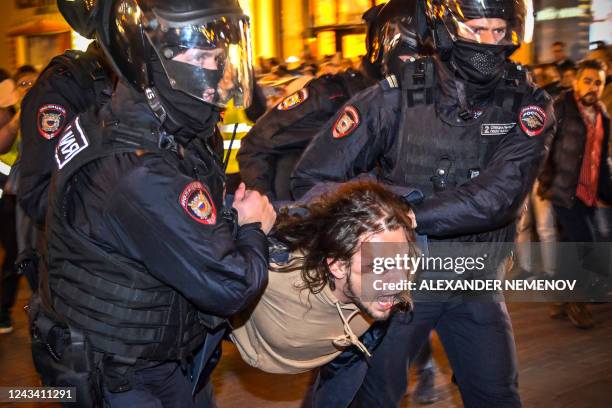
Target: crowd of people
{"type": "Point", "coordinates": [570, 201]}
{"type": "Point", "coordinates": [115, 203]}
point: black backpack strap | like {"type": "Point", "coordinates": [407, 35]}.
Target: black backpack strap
{"type": "Point", "coordinates": [418, 82]}
{"type": "Point", "coordinates": [510, 93]}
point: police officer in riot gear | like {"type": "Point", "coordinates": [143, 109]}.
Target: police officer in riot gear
{"type": "Point", "coordinates": [469, 131]}
{"type": "Point", "coordinates": [71, 84]}
{"type": "Point", "coordinates": [144, 260]}
{"type": "Point", "coordinates": [271, 149]}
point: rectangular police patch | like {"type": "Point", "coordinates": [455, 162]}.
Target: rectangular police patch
{"type": "Point", "coordinates": [72, 142]}
{"type": "Point", "coordinates": [496, 129]}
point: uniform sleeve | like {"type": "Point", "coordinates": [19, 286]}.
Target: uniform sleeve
{"type": "Point", "coordinates": [45, 111]}
{"type": "Point", "coordinates": [289, 126]}
{"type": "Point", "coordinates": [492, 199]}
{"type": "Point", "coordinates": [200, 254]}
{"type": "Point", "coordinates": [349, 144]}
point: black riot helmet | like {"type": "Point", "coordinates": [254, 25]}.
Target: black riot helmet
{"type": "Point", "coordinates": [371, 62]}
{"type": "Point", "coordinates": [200, 48]}
{"type": "Point", "coordinates": [81, 15]}
{"type": "Point", "coordinates": [402, 29]}
{"type": "Point", "coordinates": [478, 35]}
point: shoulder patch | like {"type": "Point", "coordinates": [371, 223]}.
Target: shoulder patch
{"type": "Point", "coordinates": [72, 142]}
{"type": "Point", "coordinates": [532, 119]}
{"type": "Point", "coordinates": [195, 200]}
{"type": "Point", "coordinates": [294, 100]}
{"type": "Point", "coordinates": [346, 123]}
{"type": "Point", "coordinates": [50, 120]}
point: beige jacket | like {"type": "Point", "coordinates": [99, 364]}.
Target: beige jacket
{"type": "Point", "coordinates": [291, 330]}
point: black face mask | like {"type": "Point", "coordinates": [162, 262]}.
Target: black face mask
{"type": "Point", "coordinates": [478, 63]}
{"type": "Point", "coordinates": [189, 116]}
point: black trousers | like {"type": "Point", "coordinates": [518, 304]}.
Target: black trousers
{"type": "Point", "coordinates": [586, 256]}
{"type": "Point", "coordinates": [478, 341]}
{"type": "Point", "coordinates": [163, 386]}
{"type": "Point", "coordinates": [584, 224]}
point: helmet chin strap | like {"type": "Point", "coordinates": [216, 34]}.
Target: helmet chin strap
{"type": "Point", "coordinates": [154, 101]}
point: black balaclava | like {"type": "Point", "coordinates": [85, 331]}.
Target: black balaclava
{"type": "Point", "coordinates": [480, 66]}
{"type": "Point", "coordinates": [188, 117]}
{"type": "Point", "coordinates": [478, 63]}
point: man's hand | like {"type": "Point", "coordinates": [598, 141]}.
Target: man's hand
{"type": "Point", "coordinates": [253, 207]}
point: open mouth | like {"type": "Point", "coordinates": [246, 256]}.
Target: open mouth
{"type": "Point", "coordinates": [386, 302]}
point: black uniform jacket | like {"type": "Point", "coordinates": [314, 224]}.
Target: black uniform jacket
{"type": "Point", "coordinates": [287, 128]}
{"type": "Point", "coordinates": [165, 212]}
{"type": "Point", "coordinates": [361, 138]}
{"type": "Point", "coordinates": [68, 86]}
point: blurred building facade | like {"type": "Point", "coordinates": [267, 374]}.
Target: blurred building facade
{"type": "Point", "coordinates": [34, 30]}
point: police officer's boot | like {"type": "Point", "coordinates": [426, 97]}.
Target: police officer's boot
{"type": "Point", "coordinates": [425, 391]}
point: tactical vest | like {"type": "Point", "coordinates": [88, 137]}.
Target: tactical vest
{"type": "Point", "coordinates": [125, 312]}
{"type": "Point", "coordinates": [440, 150]}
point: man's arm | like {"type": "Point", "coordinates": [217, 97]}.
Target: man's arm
{"type": "Point", "coordinates": [289, 126]}
{"type": "Point", "coordinates": [492, 199]}
{"type": "Point", "coordinates": [45, 112]}
{"type": "Point", "coordinates": [349, 144]}
{"type": "Point", "coordinates": [187, 245]}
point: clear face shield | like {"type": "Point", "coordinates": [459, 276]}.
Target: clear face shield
{"type": "Point", "coordinates": [488, 22]}
{"type": "Point", "coordinates": [208, 58]}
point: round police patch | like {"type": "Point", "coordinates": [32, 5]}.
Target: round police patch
{"type": "Point", "coordinates": [51, 120]}
{"type": "Point", "coordinates": [532, 119]}
{"type": "Point", "coordinates": [195, 200]}
{"type": "Point", "coordinates": [346, 123]}
{"type": "Point", "coordinates": [294, 100]}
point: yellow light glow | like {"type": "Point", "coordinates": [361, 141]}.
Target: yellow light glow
{"type": "Point", "coordinates": [326, 43]}
{"type": "Point", "coordinates": [353, 45]}
{"type": "Point", "coordinates": [266, 46]}
{"type": "Point", "coordinates": [325, 13]}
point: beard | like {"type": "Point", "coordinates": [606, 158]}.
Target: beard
{"type": "Point", "coordinates": [350, 293]}
{"type": "Point", "coordinates": [589, 99]}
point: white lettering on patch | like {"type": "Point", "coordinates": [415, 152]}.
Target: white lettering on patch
{"type": "Point", "coordinates": [72, 142]}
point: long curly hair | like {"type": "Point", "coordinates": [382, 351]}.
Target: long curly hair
{"type": "Point", "coordinates": [334, 225]}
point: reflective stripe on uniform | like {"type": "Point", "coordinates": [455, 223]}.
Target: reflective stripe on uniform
{"type": "Point", "coordinates": [5, 168]}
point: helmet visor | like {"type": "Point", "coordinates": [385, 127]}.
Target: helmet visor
{"type": "Point", "coordinates": [492, 22]}
{"type": "Point", "coordinates": [209, 58]}
{"type": "Point", "coordinates": [399, 31]}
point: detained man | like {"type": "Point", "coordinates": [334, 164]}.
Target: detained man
{"type": "Point", "coordinates": [322, 296]}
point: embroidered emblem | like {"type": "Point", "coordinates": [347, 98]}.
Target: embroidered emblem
{"type": "Point", "coordinates": [496, 129]}
{"type": "Point", "coordinates": [346, 123]}
{"type": "Point", "coordinates": [294, 100]}
{"type": "Point", "coordinates": [72, 142]}
{"type": "Point", "coordinates": [195, 200]}
{"type": "Point", "coordinates": [50, 120]}
{"type": "Point", "coordinates": [533, 120]}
